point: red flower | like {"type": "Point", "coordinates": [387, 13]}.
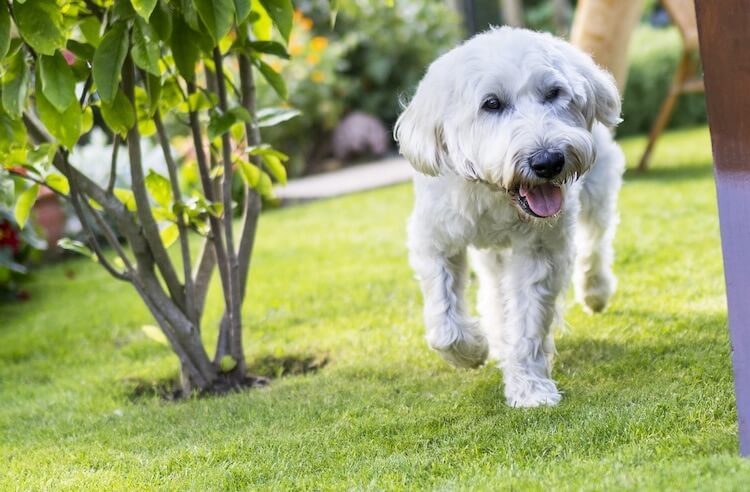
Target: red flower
{"type": "Point", "coordinates": [9, 236]}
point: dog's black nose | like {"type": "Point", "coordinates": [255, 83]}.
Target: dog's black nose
{"type": "Point", "coordinates": [547, 164]}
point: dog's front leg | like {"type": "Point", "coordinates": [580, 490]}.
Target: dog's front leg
{"type": "Point", "coordinates": [536, 276]}
{"type": "Point", "coordinates": [451, 332]}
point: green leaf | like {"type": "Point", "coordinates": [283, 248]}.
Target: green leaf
{"type": "Point", "coordinates": [161, 21]}
{"type": "Point", "coordinates": [15, 84]}
{"type": "Point", "coordinates": [198, 101]}
{"type": "Point", "coordinates": [273, 116]}
{"type": "Point", "coordinates": [83, 51]}
{"type": "Point", "coordinates": [4, 30]}
{"type": "Point", "coordinates": [126, 197]}
{"type": "Point", "coordinates": [265, 186]}
{"type": "Point", "coordinates": [227, 363]}
{"type": "Point", "coordinates": [281, 12]}
{"type": "Point", "coordinates": [169, 235]}
{"type": "Point", "coordinates": [249, 172]}
{"type": "Point", "coordinates": [273, 78]}
{"type": "Point", "coordinates": [76, 247]}
{"type": "Point", "coordinates": [159, 188]}
{"type": "Point", "coordinates": [119, 115]}
{"type": "Point", "coordinates": [58, 83]}
{"type": "Point", "coordinates": [217, 15]}
{"type": "Point", "coordinates": [66, 125]}
{"type": "Point", "coordinates": [87, 120]}
{"type": "Point", "coordinates": [153, 89]}
{"type": "Point", "coordinates": [189, 14]}
{"type": "Point", "coordinates": [91, 28]}
{"type": "Point", "coordinates": [146, 52]}
{"type": "Point", "coordinates": [241, 10]}
{"type": "Point", "coordinates": [185, 49]}
{"type": "Point", "coordinates": [108, 60]}
{"type": "Point", "coordinates": [264, 149]}
{"type": "Point", "coordinates": [12, 132]}
{"type": "Point", "coordinates": [40, 23]}
{"type": "Point", "coordinates": [262, 24]}
{"type": "Point", "coordinates": [155, 333]}
{"type": "Point", "coordinates": [275, 167]}
{"type": "Point", "coordinates": [144, 7]}
{"type": "Point", "coordinates": [58, 182]}
{"type": "Point", "coordinates": [270, 48]}
{"type": "Point", "coordinates": [23, 205]}
{"type": "Point", "coordinates": [221, 123]}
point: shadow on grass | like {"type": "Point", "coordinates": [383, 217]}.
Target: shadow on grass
{"type": "Point", "coordinates": [670, 174]}
{"type": "Point", "coordinates": [693, 348]}
{"type": "Point", "coordinates": [259, 374]}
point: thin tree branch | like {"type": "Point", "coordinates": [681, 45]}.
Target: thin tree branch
{"type": "Point", "coordinates": [235, 322]}
{"type": "Point", "coordinates": [143, 206]}
{"type": "Point", "coordinates": [37, 181]}
{"type": "Point", "coordinates": [214, 223]}
{"type": "Point", "coordinates": [113, 164]}
{"type": "Point", "coordinates": [203, 272]}
{"type": "Point", "coordinates": [252, 203]}
{"type": "Point", "coordinates": [181, 226]}
{"type": "Point", "coordinates": [93, 242]}
{"type": "Point", "coordinates": [111, 237]}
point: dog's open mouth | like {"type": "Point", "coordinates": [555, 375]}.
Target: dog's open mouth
{"type": "Point", "coordinates": [542, 201]}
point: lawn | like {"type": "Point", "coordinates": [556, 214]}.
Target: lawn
{"type": "Point", "coordinates": [648, 387]}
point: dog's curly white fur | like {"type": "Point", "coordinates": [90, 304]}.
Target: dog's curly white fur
{"type": "Point", "coordinates": [511, 132]}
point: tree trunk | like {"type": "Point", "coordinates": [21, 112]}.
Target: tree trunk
{"type": "Point", "coordinates": [602, 28]}
{"type": "Point", "coordinates": [512, 11]}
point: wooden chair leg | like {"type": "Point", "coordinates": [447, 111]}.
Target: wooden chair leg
{"type": "Point", "coordinates": [667, 107]}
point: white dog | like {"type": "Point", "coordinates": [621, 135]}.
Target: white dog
{"type": "Point", "coordinates": [511, 132]}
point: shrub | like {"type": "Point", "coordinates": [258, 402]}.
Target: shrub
{"type": "Point", "coordinates": [151, 67]}
{"type": "Point", "coordinates": [654, 54]}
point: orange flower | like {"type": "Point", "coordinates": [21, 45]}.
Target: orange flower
{"type": "Point", "coordinates": [317, 76]}
{"type": "Point", "coordinates": [305, 23]}
{"type": "Point", "coordinates": [319, 43]}
{"type": "Point", "coordinates": [313, 58]}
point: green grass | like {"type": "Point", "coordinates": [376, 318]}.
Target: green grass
{"type": "Point", "coordinates": [648, 387]}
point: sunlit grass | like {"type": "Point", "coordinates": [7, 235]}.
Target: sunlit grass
{"type": "Point", "coordinates": [648, 388]}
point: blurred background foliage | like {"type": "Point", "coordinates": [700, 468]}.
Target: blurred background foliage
{"type": "Point", "coordinates": [373, 56]}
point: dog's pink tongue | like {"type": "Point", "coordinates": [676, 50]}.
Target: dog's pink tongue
{"type": "Point", "coordinates": [544, 200]}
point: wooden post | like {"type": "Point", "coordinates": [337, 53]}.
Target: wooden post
{"type": "Point", "coordinates": [602, 28]}
{"type": "Point", "coordinates": [725, 52]}
{"type": "Point", "coordinates": [512, 12]}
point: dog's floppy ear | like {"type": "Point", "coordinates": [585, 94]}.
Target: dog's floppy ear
{"type": "Point", "coordinates": [598, 97]}
{"type": "Point", "coordinates": [419, 128]}
{"type": "Point", "coordinates": [607, 104]}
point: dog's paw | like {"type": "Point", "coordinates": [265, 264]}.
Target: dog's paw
{"type": "Point", "coordinates": [532, 393]}
{"type": "Point", "coordinates": [466, 348]}
{"type": "Point", "coordinates": [595, 290]}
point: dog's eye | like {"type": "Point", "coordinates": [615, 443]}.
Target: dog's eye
{"type": "Point", "coordinates": [552, 94]}
{"type": "Point", "coordinates": [493, 104]}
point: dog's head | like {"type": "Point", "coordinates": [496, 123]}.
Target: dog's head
{"type": "Point", "coordinates": [513, 109]}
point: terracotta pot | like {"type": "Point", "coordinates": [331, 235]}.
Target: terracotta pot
{"type": "Point", "coordinates": [50, 216]}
